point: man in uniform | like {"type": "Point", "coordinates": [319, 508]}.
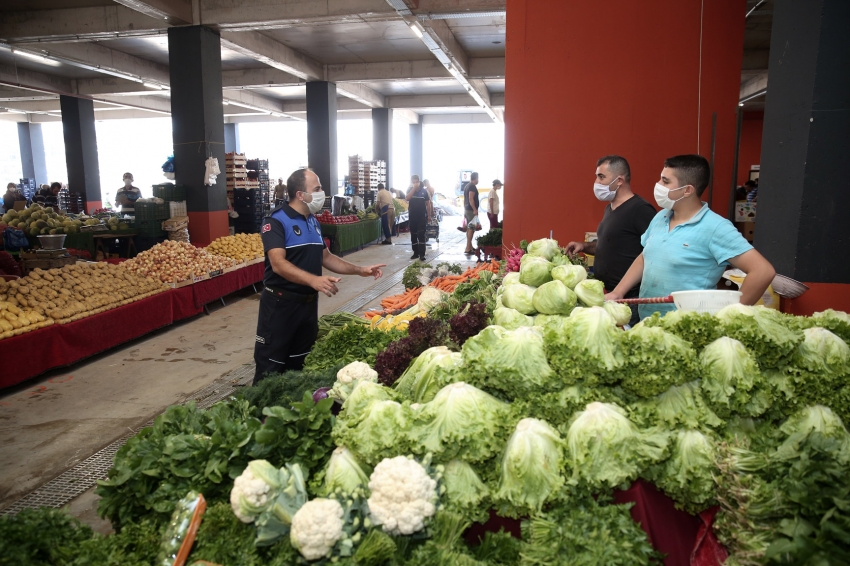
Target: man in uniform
{"type": "Point", "coordinates": [295, 254]}
{"type": "Point", "coordinates": [624, 221]}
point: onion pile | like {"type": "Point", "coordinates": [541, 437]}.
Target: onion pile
{"type": "Point", "coordinates": [173, 262]}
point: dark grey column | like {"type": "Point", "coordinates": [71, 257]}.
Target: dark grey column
{"type": "Point", "coordinates": [321, 134]}
{"type": "Point", "coordinates": [31, 142]}
{"type": "Point", "coordinates": [231, 138]}
{"type": "Point", "coordinates": [416, 149]}
{"type": "Point", "coordinates": [382, 138]}
{"type": "Point", "coordinates": [197, 123]}
{"type": "Point", "coordinates": [804, 200]}
{"type": "Point", "coordinates": [81, 149]}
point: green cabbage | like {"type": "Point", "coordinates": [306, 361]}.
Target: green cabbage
{"type": "Point", "coordinates": [365, 430]}
{"type": "Point", "coordinates": [428, 373]}
{"type": "Point", "coordinates": [761, 330]}
{"type": "Point", "coordinates": [512, 362]}
{"type": "Point", "coordinates": [588, 346]}
{"type": "Point", "coordinates": [688, 475]}
{"type": "Point", "coordinates": [461, 422]}
{"type": "Point", "coordinates": [531, 468]}
{"type": "Point", "coordinates": [534, 271]}
{"type": "Point", "coordinates": [591, 292]}
{"type": "Point", "coordinates": [554, 298]}
{"type": "Point", "coordinates": [544, 248]}
{"type": "Point", "coordinates": [344, 473]}
{"type": "Point", "coordinates": [519, 297]}
{"type": "Point", "coordinates": [511, 319]}
{"type": "Point", "coordinates": [729, 377]}
{"type": "Point", "coordinates": [569, 275]}
{"type": "Point", "coordinates": [607, 450]}
{"type": "Point", "coordinates": [621, 313]}
{"type": "Point", "coordinates": [510, 279]}
{"type": "Point", "coordinates": [655, 360]}
{"type": "Point", "coordinates": [465, 493]}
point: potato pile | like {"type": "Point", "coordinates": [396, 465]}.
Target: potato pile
{"type": "Point", "coordinates": [68, 294]}
{"type": "Point", "coordinates": [239, 247]}
{"type": "Point", "coordinates": [172, 262]}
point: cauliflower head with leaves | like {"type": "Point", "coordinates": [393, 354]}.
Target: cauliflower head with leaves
{"type": "Point", "coordinates": [317, 527]}
{"type": "Point", "coordinates": [348, 377]}
{"type": "Point", "coordinates": [403, 496]}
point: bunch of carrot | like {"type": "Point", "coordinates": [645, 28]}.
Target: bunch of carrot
{"type": "Point", "coordinates": [406, 299]}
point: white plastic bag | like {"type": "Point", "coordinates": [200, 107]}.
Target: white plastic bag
{"type": "Point", "coordinates": [475, 223]}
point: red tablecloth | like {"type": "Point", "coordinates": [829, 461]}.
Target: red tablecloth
{"type": "Point", "coordinates": [213, 289]}
{"type": "Point", "coordinates": [30, 354]}
{"type": "Point", "coordinates": [183, 303]}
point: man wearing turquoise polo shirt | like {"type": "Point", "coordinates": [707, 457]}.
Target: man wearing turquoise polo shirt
{"type": "Point", "coordinates": [687, 246]}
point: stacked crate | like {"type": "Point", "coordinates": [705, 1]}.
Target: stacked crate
{"type": "Point", "coordinates": [365, 175]}
{"type": "Point", "coordinates": [248, 203]}
{"type": "Point", "coordinates": [28, 188]}
{"type": "Point", "coordinates": [236, 174]}
{"type": "Point", "coordinates": [258, 170]}
{"type": "Point", "coordinates": [71, 202]}
{"type": "Point", "coordinates": [177, 220]}
{"type": "Point", "coordinates": [149, 217]}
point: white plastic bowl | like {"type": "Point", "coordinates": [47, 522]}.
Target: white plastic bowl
{"type": "Point", "coordinates": [705, 301]}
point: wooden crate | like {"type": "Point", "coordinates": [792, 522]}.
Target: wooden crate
{"type": "Point", "coordinates": [30, 264]}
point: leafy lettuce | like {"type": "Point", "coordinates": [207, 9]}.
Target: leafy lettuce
{"type": "Point", "coordinates": [761, 330]}
{"type": "Point", "coordinates": [655, 360]}
{"type": "Point", "coordinates": [519, 297]}
{"type": "Point", "coordinates": [591, 292]}
{"type": "Point", "coordinates": [433, 369]}
{"type": "Point", "coordinates": [554, 298]}
{"type": "Point", "coordinates": [569, 275]}
{"type": "Point", "coordinates": [534, 271]}
{"type": "Point", "coordinates": [730, 376]}
{"type": "Point", "coordinates": [511, 319]}
{"type": "Point", "coordinates": [587, 347]}
{"type": "Point", "coordinates": [687, 476]}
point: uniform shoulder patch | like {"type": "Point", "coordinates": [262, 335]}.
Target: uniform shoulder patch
{"type": "Point", "coordinates": [266, 227]}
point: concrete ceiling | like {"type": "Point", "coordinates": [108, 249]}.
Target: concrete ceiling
{"type": "Point", "coordinates": [117, 50]}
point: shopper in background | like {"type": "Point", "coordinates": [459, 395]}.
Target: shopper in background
{"type": "Point", "coordinates": [752, 191]}
{"type": "Point", "coordinates": [279, 193]}
{"type": "Point", "coordinates": [427, 184]}
{"type": "Point", "coordinates": [470, 210]}
{"type": "Point", "coordinates": [40, 196]}
{"type": "Point", "coordinates": [288, 321]}
{"type": "Point", "coordinates": [52, 198]}
{"type": "Point", "coordinates": [127, 195]}
{"type": "Point", "coordinates": [493, 204]}
{"type": "Point", "coordinates": [386, 208]}
{"type": "Point", "coordinates": [687, 246]}
{"type": "Point", "coordinates": [626, 218]}
{"type": "Point", "coordinates": [12, 196]}
{"type": "Point", "coordinates": [420, 212]}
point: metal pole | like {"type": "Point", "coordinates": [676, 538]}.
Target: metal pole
{"type": "Point", "coordinates": [711, 164]}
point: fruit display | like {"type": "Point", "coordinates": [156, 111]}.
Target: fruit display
{"type": "Point", "coordinates": [172, 262]}
{"type": "Point", "coordinates": [66, 294]}
{"type": "Point", "coordinates": [37, 221]}
{"type": "Point", "coordinates": [327, 218]}
{"type": "Point", "coordinates": [239, 247]}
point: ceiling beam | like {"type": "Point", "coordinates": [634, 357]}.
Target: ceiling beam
{"type": "Point", "coordinates": [274, 54]}
{"type": "Point", "coordinates": [391, 70]}
{"type": "Point", "coordinates": [405, 115]}
{"type": "Point", "coordinates": [362, 94]}
{"type": "Point", "coordinates": [110, 85]}
{"type": "Point", "coordinates": [77, 24]}
{"type": "Point", "coordinates": [258, 78]}
{"type": "Point", "coordinates": [24, 78]}
{"type": "Point", "coordinates": [177, 12]}
{"type": "Point", "coordinates": [8, 94]}
{"type": "Point", "coordinates": [158, 104]}
{"type": "Point", "coordinates": [754, 85]}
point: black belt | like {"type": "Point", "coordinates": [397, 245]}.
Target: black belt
{"type": "Point", "coordinates": [298, 297]}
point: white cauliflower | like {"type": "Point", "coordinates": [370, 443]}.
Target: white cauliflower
{"type": "Point", "coordinates": [251, 494]}
{"type": "Point", "coordinates": [316, 528]}
{"type": "Point", "coordinates": [403, 496]}
{"type": "Point", "coordinates": [348, 377]}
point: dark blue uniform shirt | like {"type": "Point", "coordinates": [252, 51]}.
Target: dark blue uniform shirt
{"type": "Point", "coordinates": [301, 237]}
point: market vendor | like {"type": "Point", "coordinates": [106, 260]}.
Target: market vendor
{"type": "Point", "coordinates": [687, 246]}
{"type": "Point", "coordinates": [386, 207]}
{"type": "Point", "coordinates": [288, 321]}
{"type": "Point", "coordinates": [11, 196]}
{"type": "Point", "coordinates": [127, 195]}
{"type": "Point", "coordinates": [626, 218]}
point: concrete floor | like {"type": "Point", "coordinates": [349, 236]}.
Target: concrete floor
{"type": "Point", "coordinates": [60, 418]}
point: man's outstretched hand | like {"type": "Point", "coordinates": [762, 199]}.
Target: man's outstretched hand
{"type": "Point", "coordinates": [373, 271]}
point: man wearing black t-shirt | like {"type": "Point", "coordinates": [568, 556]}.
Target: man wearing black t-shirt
{"type": "Point", "coordinates": [626, 218]}
{"type": "Point", "coordinates": [295, 255]}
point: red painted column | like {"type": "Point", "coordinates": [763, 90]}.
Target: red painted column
{"type": "Point", "coordinates": [751, 128]}
{"type": "Point", "coordinates": [639, 79]}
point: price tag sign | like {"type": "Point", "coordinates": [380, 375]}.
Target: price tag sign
{"type": "Point", "coordinates": [216, 273]}
{"type": "Point", "coordinates": [198, 278]}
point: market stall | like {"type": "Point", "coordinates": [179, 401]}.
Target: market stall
{"type": "Point", "coordinates": [351, 236]}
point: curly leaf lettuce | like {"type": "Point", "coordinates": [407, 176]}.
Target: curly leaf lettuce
{"type": "Point", "coordinates": [429, 372]}
{"type": "Point", "coordinates": [586, 347]}
{"type": "Point", "coordinates": [761, 330]}
{"type": "Point", "coordinates": [698, 328]}
{"type": "Point", "coordinates": [687, 476]}
{"type": "Point", "coordinates": [730, 375]}
{"type": "Point", "coordinates": [655, 360]}
{"type": "Point", "coordinates": [465, 493]}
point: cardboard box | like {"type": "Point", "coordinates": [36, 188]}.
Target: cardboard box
{"type": "Point", "coordinates": [745, 211]}
{"type": "Point", "coordinates": [19, 205]}
{"type": "Point", "coordinates": [175, 223]}
{"type": "Point", "coordinates": [747, 229]}
{"type": "Point", "coordinates": [590, 236]}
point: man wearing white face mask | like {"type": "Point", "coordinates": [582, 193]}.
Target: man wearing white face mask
{"type": "Point", "coordinates": [687, 246]}
{"type": "Point", "coordinates": [295, 255]}
{"type": "Point", "coordinates": [624, 221]}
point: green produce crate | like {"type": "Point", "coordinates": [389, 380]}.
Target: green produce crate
{"type": "Point", "coordinates": [168, 191]}
{"type": "Point", "coordinates": [149, 228]}
{"type": "Point", "coordinates": [151, 211]}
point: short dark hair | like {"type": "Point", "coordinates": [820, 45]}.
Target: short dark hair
{"type": "Point", "coordinates": [56, 185]}
{"type": "Point", "coordinates": [473, 177]}
{"type": "Point", "coordinates": [380, 186]}
{"type": "Point", "coordinates": [750, 183]}
{"type": "Point", "coordinates": [618, 165]}
{"type": "Point", "coordinates": [412, 177]}
{"type": "Point", "coordinates": [496, 182]}
{"type": "Point", "coordinates": [691, 170]}
{"type": "Point", "coordinates": [297, 182]}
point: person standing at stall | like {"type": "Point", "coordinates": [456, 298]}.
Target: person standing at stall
{"type": "Point", "coordinates": [493, 204]}
{"type": "Point", "coordinates": [687, 246]}
{"type": "Point", "coordinates": [624, 221]}
{"type": "Point", "coordinates": [12, 196]}
{"type": "Point", "coordinates": [387, 211]}
{"type": "Point", "coordinates": [295, 254]}
{"type": "Point", "coordinates": [127, 195]}
{"type": "Point", "coordinates": [470, 210]}
{"type": "Point", "coordinates": [420, 212]}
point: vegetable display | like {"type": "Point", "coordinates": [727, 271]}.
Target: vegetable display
{"type": "Point", "coordinates": [173, 262]}
{"type": "Point", "coordinates": [241, 247]}
{"type": "Point", "coordinates": [738, 415]}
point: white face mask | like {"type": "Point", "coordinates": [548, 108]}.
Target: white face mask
{"type": "Point", "coordinates": [317, 203]}
{"type": "Point", "coordinates": [603, 192]}
{"type": "Point", "coordinates": [662, 196]}
{"type": "Point", "coordinates": [128, 182]}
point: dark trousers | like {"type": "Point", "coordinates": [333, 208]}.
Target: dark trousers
{"type": "Point", "coordinates": [494, 220]}
{"type": "Point", "coordinates": [385, 222]}
{"type": "Point", "coordinates": [417, 235]}
{"type": "Point", "coordinates": [286, 331]}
